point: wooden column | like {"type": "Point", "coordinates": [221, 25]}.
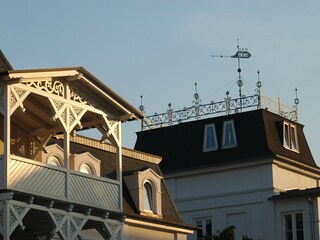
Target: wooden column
{"type": "Point", "coordinates": [6, 135]}
{"type": "Point", "coordinates": [66, 141]}
{"type": "Point", "coordinates": [119, 164]}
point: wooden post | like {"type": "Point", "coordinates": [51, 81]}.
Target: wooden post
{"type": "Point", "coordinates": [6, 135]}
{"type": "Point", "coordinates": [66, 141]}
{"type": "Point", "coordinates": [119, 164]}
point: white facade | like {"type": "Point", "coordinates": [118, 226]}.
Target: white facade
{"type": "Point", "coordinates": [238, 195]}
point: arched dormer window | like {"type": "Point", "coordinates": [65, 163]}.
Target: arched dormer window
{"type": "Point", "coordinates": [54, 160]}
{"type": "Point", "coordinates": [86, 168]}
{"type": "Point", "coordinates": [145, 189]}
{"type": "Point", "coordinates": [148, 197]}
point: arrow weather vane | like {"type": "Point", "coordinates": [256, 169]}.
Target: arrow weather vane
{"type": "Point", "coordinates": [241, 53]}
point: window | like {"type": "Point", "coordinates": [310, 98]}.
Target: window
{"type": "Point", "coordinates": [229, 139]}
{"type": "Point", "coordinates": [54, 160]}
{"type": "Point", "coordinates": [148, 197]}
{"type": "Point", "coordinates": [210, 138]}
{"type": "Point", "coordinates": [290, 140]}
{"type": "Point", "coordinates": [85, 168]}
{"type": "Point", "coordinates": [293, 226]}
{"type": "Point", "coordinates": [205, 225]}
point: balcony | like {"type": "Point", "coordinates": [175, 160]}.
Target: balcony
{"type": "Point", "coordinates": [43, 180]}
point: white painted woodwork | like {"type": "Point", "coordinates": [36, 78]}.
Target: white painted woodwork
{"type": "Point", "coordinates": [49, 181]}
{"type": "Point", "coordinates": [94, 191]}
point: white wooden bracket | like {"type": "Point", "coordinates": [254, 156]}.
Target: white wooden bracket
{"type": "Point", "coordinates": [66, 226]}
{"type": "Point", "coordinates": [18, 95]}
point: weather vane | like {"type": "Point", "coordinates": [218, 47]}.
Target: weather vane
{"type": "Point", "coordinates": [241, 53]}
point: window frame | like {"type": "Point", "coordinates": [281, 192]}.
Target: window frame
{"type": "Point", "coordinates": [203, 227]}
{"type": "Point", "coordinates": [56, 159]}
{"type": "Point", "coordinates": [294, 230]}
{"type": "Point", "coordinates": [148, 194]}
{"type": "Point", "coordinates": [233, 130]}
{"type": "Point", "coordinates": [88, 166]}
{"type": "Point", "coordinates": [206, 136]}
{"type": "Point", "coordinates": [290, 137]}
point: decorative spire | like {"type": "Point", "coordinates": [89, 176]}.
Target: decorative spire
{"type": "Point", "coordinates": [258, 90]}
{"type": "Point", "coordinates": [196, 102]}
{"type": "Point", "coordinates": [141, 107]}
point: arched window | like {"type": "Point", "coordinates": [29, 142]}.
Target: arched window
{"type": "Point", "coordinates": [148, 197]}
{"type": "Point", "coordinates": [85, 168]}
{"type": "Point", "coordinates": [53, 160]}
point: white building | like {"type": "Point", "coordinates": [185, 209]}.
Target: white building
{"type": "Point", "coordinates": [55, 184]}
{"type": "Point", "coordinates": [253, 170]}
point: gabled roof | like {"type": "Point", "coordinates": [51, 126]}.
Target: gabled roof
{"type": "Point", "coordinates": [85, 82]}
{"type": "Point", "coordinates": [259, 135]}
{"type": "Point", "coordinates": [4, 63]}
{"type": "Point", "coordinates": [170, 215]}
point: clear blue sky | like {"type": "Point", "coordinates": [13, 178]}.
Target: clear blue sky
{"type": "Point", "coordinates": [161, 48]}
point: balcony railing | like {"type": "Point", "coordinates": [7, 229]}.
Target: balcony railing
{"type": "Point", "coordinates": [227, 106]}
{"type": "Point", "coordinates": [57, 183]}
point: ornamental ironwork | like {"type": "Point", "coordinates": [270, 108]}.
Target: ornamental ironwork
{"type": "Point", "coordinates": [227, 106]}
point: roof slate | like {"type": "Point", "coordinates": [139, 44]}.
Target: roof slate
{"type": "Point", "coordinates": [129, 165]}
{"type": "Point", "coordinates": [259, 135]}
{"type": "Point", "coordinates": [4, 63]}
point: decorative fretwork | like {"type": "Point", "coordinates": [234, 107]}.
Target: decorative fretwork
{"type": "Point", "coordinates": [68, 227]}
{"type": "Point", "coordinates": [78, 96]}
{"type": "Point", "coordinates": [16, 215]}
{"type": "Point", "coordinates": [53, 87]}
{"type": "Point", "coordinates": [114, 230]}
{"type": "Point", "coordinates": [228, 106]}
{"type": "Point", "coordinates": [110, 130]}
{"type": "Point", "coordinates": [76, 114]}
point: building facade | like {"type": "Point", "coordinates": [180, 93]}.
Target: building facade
{"type": "Point", "coordinates": [57, 185]}
{"type": "Point", "coordinates": [253, 170]}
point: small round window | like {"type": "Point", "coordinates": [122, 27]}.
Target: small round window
{"type": "Point", "coordinates": [85, 168]}
{"type": "Point", "coordinates": [54, 161]}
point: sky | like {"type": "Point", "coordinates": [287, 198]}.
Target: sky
{"type": "Point", "coordinates": [160, 48]}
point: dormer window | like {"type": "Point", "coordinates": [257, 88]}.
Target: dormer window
{"type": "Point", "coordinates": [290, 139]}
{"type": "Point", "coordinates": [85, 168]}
{"type": "Point", "coordinates": [148, 197]}
{"type": "Point", "coordinates": [229, 138]}
{"type": "Point", "coordinates": [145, 189]}
{"type": "Point", "coordinates": [210, 138]}
{"type": "Point", "coordinates": [54, 161]}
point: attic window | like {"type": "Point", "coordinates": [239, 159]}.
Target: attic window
{"type": "Point", "coordinates": [210, 138]}
{"type": "Point", "coordinates": [85, 168]}
{"type": "Point", "coordinates": [148, 197]}
{"type": "Point", "coordinates": [290, 139]}
{"type": "Point", "coordinates": [229, 138]}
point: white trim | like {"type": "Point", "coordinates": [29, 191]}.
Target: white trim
{"type": "Point", "coordinates": [233, 132]}
{"type": "Point", "coordinates": [290, 141]}
{"type": "Point", "coordinates": [157, 226]}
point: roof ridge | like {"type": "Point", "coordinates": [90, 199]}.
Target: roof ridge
{"type": "Point", "coordinates": [146, 157]}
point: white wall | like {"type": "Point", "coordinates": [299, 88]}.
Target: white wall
{"type": "Point", "coordinates": [285, 179]}
{"type": "Point", "coordinates": [237, 195]}
{"type": "Point", "coordinates": [141, 233]}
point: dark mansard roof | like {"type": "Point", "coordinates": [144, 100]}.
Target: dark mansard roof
{"type": "Point", "coordinates": [259, 135]}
